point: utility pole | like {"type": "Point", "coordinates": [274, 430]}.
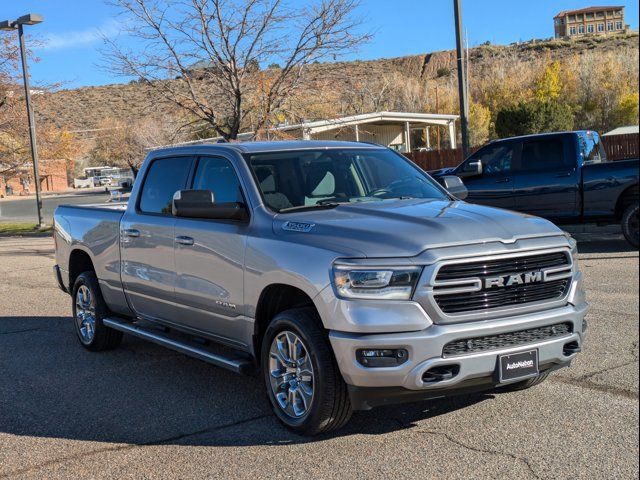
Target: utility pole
{"type": "Point", "coordinates": [437, 111]}
{"type": "Point", "coordinates": [29, 19]}
{"type": "Point", "coordinates": [462, 90]}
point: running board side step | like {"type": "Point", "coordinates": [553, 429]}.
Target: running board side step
{"type": "Point", "coordinates": [239, 364]}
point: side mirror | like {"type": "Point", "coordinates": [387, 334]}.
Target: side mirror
{"type": "Point", "coordinates": [454, 186]}
{"type": "Point", "coordinates": [202, 204]}
{"type": "Point", "coordinates": [470, 169]}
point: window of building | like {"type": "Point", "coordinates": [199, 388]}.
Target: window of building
{"type": "Point", "coordinates": [590, 28]}
{"type": "Point", "coordinates": [166, 176]}
{"type": "Point", "coordinates": [610, 26]}
{"type": "Point", "coordinates": [579, 17]}
{"type": "Point", "coordinates": [618, 25]}
{"type": "Point", "coordinates": [572, 18]}
{"type": "Point", "coordinates": [601, 27]}
{"type": "Point", "coordinates": [580, 28]}
{"type": "Point", "coordinates": [572, 31]}
{"type": "Point", "coordinates": [599, 15]}
{"type": "Point", "coordinates": [589, 16]}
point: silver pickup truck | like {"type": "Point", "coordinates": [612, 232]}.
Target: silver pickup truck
{"type": "Point", "coordinates": [340, 271]}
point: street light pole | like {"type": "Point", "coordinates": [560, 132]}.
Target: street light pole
{"type": "Point", "coordinates": [29, 19]}
{"type": "Point", "coordinates": [462, 90]}
{"type": "Point", "coordinates": [32, 123]}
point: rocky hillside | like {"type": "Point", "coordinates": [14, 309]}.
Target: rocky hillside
{"type": "Point", "coordinates": [86, 108]}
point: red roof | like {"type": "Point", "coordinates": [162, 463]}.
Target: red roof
{"type": "Point", "coordinates": [588, 10]}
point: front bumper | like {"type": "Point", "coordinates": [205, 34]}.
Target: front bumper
{"type": "Point", "coordinates": [425, 349]}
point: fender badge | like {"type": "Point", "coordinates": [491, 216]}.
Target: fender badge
{"type": "Point", "coordinates": [298, 226]}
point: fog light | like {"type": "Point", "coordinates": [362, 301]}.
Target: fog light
{"type": "Point", "coordinates": [381, 357]}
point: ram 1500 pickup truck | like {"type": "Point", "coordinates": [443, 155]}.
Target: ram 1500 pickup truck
{"type": "Point", "coordinates": [564, 177]}
{"type": "Point", "coordinates": [342, 273]}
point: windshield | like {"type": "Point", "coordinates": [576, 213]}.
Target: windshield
{"type": "Point", "coordinates": [324, 177]}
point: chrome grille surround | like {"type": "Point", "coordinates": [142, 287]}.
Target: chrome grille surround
{"type": "Point", "coordinates": [557, 277]}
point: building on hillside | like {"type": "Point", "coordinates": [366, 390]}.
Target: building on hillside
{"type": "Point", "coordinates": [392, 129]}
{"type": "Point", "coordinates": [53, 178]}
{"type": "Point", "coordinates": [589, 21]}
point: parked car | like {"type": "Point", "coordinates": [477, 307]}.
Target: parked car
{"type": "Point", "coordinates": [340, 271]}
{"type": "Point", "coordinates": [82, 182]}
{"type": "Point", "coordinates": [564, 177]}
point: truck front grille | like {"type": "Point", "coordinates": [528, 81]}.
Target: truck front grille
{"type": "Point", "coordinates": [466, 287]}
{"type": "Point", "coordinates": [468, 346]}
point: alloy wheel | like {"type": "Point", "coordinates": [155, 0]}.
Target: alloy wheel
{"type": "Point", "coordinates": [291, 374]}
{"type": "Point", "coordinates": [85, 314]}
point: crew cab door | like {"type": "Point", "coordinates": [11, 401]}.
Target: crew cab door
{"type": "Point", "coordinates": [494, 186]}
{"type": "Point", "coordinates": [147, 234]}
{"type": "Point", "coordinates": [209, 258]}
{"type": "Point", "coordinates": [547, 179]}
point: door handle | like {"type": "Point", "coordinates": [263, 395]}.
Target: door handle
{"type": "Point", "coordinates": [503, 180]}
{"type": "Point", "coordinates": [131, 232]}
{"type": "Point", "coordinates": [183, 240]}
{"type": "Point", "coordinates": [563, 174]}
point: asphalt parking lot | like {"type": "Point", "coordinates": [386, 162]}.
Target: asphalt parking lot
{"type": "Point", "coordinates": [146, 412]}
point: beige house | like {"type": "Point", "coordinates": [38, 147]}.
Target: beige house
{"type": "Point", "coordinates": [391, 129]}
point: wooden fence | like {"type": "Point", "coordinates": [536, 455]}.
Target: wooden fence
{"type": "Point", "coordinates": [621, 147]}
{"type": "Point", "coordinates": [618, 147]}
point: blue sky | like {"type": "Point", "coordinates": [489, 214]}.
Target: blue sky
{"type": "Point", "coordinates": [71, 31]}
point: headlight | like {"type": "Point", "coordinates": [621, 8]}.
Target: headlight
{"type": "Point", "coordinates": [375, 283]}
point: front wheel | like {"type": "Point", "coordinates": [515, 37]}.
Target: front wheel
{"type": "Point", "coordinates": [630, 224]}
{"type": "Point", "coordinates": [304, 385]}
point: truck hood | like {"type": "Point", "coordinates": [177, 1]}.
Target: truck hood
{"type": "Point", "coordinates": [405, 228]}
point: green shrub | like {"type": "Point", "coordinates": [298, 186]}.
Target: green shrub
{"type": "Point", "coordinates": [534, 117]}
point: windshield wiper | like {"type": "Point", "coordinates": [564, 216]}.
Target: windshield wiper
{"type": "Point", "coordinates": [302, 208]}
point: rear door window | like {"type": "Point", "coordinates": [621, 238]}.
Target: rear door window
{"type": "Point", "coordinates": [165, 177]}
{"type": "Point", "coordinates": [543, 155]}
{"type": "Point", "coordinates": [591, 147]}
{"type": "Point", "coordinates": [218, 175]}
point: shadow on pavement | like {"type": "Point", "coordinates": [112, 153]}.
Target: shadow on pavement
{"type": "Point", "coordinates": [142, 394]}
{"type": "Point", "coordinates": [606, 246]}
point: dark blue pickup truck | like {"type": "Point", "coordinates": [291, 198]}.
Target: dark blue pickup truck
{"type": "Point", "coordinates": [564, 177]}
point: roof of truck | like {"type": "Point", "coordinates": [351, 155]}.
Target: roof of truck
{"type": "Point", "coordinates": [272, 146]}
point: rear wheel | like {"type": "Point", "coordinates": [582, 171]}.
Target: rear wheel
{"type": "Point", "coordinates": [629, 224]}
{"type": "Point", "coordinates": [304, 385]}
{"type": "Point", "coordinates": [89, 308]}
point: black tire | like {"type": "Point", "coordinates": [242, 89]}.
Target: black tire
{"type": "Point", "coordinates": [629, 224]}
{"type": "Point", "coordinates": [525, 384]}
{"type": "Point", "coordinates": [330, 405]}
{"type": "Point", "coordinates": [103, 337]}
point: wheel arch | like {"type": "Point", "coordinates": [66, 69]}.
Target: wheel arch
{"type": "Point", "coordinates": [626, 198]}
{"type": "Point", "coordinates": [79, 261]}
{"type": "Point", "coordinates": [274, 299]}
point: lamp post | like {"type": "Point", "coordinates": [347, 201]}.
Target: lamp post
{"type": "Point", "coordinates": [462, 87]}
{"type": "Point", "coordinates": [29, 19]}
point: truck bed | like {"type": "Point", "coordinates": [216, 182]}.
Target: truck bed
{"type": "Point", "coordinates": [94, 229]}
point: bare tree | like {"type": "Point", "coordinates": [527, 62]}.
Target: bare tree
{"type": "Point", "coordinates": [205, 55]}
{"type": "Point", "coordinates": [125, 144]}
